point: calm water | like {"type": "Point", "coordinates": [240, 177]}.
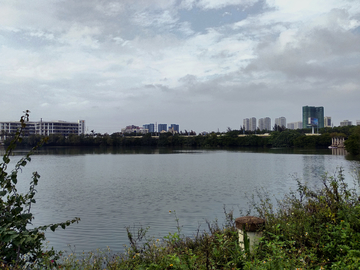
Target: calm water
{"type": "Point", "coordinates": [112, 189]}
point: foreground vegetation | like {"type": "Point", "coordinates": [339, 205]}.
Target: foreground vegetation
{"type": "Point", "coordinates": [310, 228]}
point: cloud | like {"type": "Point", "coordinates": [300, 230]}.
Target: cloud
{"type": "Point", "coordinates": [95, 59]}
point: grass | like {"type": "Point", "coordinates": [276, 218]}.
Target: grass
{"type": "Point", "coordinates": [310, 228]}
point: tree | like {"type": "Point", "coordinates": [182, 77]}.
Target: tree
{"type": "Point", "coordinates": [19, 244]}
{"type": "Point", "coordinates": [352, 144]}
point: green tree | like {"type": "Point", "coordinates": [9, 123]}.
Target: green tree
{"type": "Point", "coordinates": [20, 244]}
{"type": "Point", "coordinates": [352, 144]}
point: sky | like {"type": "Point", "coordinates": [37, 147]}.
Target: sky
{"type": "Point", "coordinates": [203, 64]}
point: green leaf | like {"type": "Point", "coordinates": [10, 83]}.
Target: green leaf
{"type": "Point", "coordinates": [53, 227]}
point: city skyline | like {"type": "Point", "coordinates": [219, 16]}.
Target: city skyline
{"type": "Point", "coordinates": [205, 64]}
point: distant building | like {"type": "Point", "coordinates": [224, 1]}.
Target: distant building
{"type": "Point", "coordinates": [45, 127]}
{"type": "Point", "coordinates": [358, 122]}
{"type": "Point", "coordinates": [175, 128]}
{"type": "Point", "coordinates": [298, 125]}
{"type": "Point", "coordinates": [252, 124]}
{"type": "Point", "coordinates": [264, 123]}
{"type": "Point", "coordinates": [310, 114]}
{"type": "Point", "coordinates": [261, 124]}
{"type": "Point", "coordinates": [290, 126]}
{"type": "Point", "coordinates": [345, 123]}
{"type": "Point", "coordinates": [134, 129]}
{"type": "Point", "coordinates": [149, 127]}
{"type": "Point", "coordinates": [246, 124]}
{"type": "Point", "coordinates": [295, 125]}
{"type": "Point", "coordinates": [327, 121]}
{"type": "Point", "coordinates": [162, 127]}
{"type": "Point", "coordinates": [281, 121]}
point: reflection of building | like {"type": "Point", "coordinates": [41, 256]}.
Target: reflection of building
{"type": "Point", "coordinates": [45, 128]}
{"type": "Point", "coordinates": [345, 123]}
{"type": "Point", "coordinates": [313, 113]}
{"type": "Point", "coordinates": [327, 121]}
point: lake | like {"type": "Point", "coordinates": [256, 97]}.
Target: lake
{"type": "Point", "coordinates": [110, 189]}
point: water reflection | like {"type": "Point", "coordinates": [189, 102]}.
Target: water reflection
{"type": "Point", "coordinates": [85, 150]}
{"type": "Point", "coordinates": [339, 151]}
{"type": "Point", "coordinates": [110, 188]}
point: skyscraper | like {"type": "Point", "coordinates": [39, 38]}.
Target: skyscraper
{"type": "Point", "coordinates": [264, 123]}
{"type": "Point", "coordinates": [314, 113]}
{"type": "Point", "coordinates": [150, 127]}
{"type": "Point", "coordinates": [252, 123]}
{"type": "Point", "coordinates": [162, 127]}
{"type": "Point", "coordinates": [267, 123]}
{"type": "Point", "coordinates": [281, 121]}
{"type": "Point", "coordinates": [246, 124]}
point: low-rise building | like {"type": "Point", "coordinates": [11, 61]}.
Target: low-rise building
{"type": "Point", "coordinates": [44, 127]}
{"type": "Point", "coordinates": [134, 129]}
{"type": "Point", "coordinates": [345, 123]}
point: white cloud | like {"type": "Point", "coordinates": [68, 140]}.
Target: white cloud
{"type": "Point", "coordinates": [98, 58]}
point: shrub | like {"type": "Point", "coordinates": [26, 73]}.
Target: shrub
{"type": "Point", "coordinates": [19, 244]}
{"type": "Point", "coordinates": [313, 228]}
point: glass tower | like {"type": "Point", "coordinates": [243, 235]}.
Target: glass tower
{"type": "Point", "coordinates": [313, 112]}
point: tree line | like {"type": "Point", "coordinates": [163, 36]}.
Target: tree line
{"type": "Point", "coordinates": [230, 138]}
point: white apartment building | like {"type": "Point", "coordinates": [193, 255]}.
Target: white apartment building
{"type": "Point", "coordinates": [45, 127]}
{"type": "Point", "coordinates": [281, 121]}
{"type": "Point", "coordinates": [246, 124]}
{"type": "Point", "coordinates": [252, 124]}
{"type": "Point", "coordinates": [264, 123]}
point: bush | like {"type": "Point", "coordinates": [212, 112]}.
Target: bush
{"type": "Point", "coordinates": [20, 245]}
{"type": "Point", "coordinates": [312, 228]}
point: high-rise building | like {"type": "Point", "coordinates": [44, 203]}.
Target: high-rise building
{"type": "Point", "coordinates": [252, 124]}
{"type": "Point", "coordinates": [261, 123]}
{"type": "Point", "coordinates": [311, 113]}
{"type": "Point", "coordinates": [175, 127]}
{"type": "Point", "coordinates": [267, 123]}
{"type": "Point", "coordinates": [358, 122]}
{"type": "Point", "coordinates": [281, 121]}
{"type": "Point", "coordinates": [264, 123]}
{"type": "Point", "coordinates": [327, 121]}
{"type": "Point", "coordinates": [149, 127]}
{"type": "Point", "coordinates": [246, 124]}
{"type": "Point", "coordinates": [162, 127]}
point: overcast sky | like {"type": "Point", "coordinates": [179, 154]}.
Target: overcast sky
{"type": "Point", "coordinates": [202, 64]}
